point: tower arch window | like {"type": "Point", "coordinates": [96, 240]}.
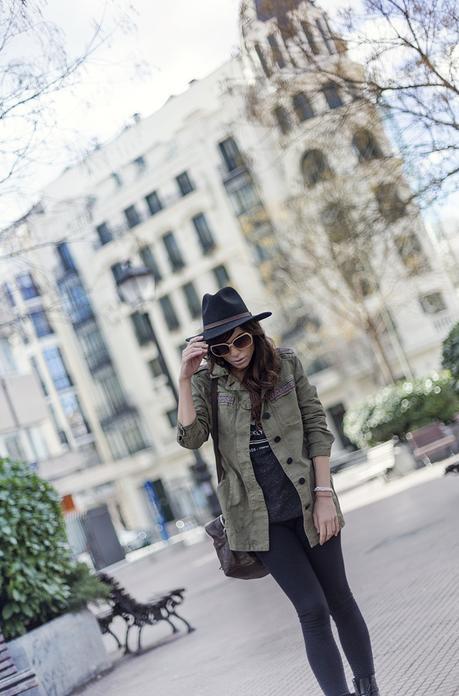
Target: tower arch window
{"type": "Point", "coordinates": [302, 106]}
{"type": "Point", "coordinates": [365, 145]}
{"type": "Point", "coordinates": [262, 58]}
{"type": "Point", "coordinates": [309, 35]}
{"type": "Point", "coordinates": [332, 95]}
{"type": "Point", "coordinates": [315, 168]}
{"type": "Point", "coordinates": [283, 119]}
{"type": "Point", "coordinates": [276, 51]}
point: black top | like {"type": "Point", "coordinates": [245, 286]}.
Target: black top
{"type": "Point", "coordinates": [281, 496]}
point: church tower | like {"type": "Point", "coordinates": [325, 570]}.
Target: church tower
{"type": "Point", "coordinates": [351, 221]}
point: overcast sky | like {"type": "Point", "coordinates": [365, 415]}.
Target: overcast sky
{"type": "Point", "coordinates": [155, 49]}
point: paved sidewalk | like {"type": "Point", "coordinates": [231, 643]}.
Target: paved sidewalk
{"type": "Point", "coordinates": [402, 560]}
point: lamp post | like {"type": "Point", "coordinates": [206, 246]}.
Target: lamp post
{"type": "Point", "coordinates": [137, 288]}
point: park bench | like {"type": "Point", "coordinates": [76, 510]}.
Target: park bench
{"type": "Point", "coordinates": [161, 607]}
{"type": "Point", "coordinates": [12, 680]}
{"type": "Point", "coordinates": [430, 440]}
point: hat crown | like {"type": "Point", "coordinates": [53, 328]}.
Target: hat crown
{"type": "Point", "coordinates": [224, 305]}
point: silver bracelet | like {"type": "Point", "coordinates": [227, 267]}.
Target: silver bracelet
{"type": "Point", "coordinates": [323, 488]}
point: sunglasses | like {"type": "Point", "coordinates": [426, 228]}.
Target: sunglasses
{"type": "Point", "coordinates": [242, 341]}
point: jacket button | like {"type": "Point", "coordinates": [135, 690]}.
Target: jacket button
{"type": "Point", "coordinates": [289, 460]}
{"type": "Point", "coordinates": [266, 416]}
{"type": "Point", "coordinates": [306, 507]}
{"type": "Point", "coordinates": [301, 480]}
{"type": "Point", "coordinates": [277, 438]}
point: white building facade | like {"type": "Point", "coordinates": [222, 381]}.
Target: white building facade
{"type": "Point", "coordinates": [198, 193]}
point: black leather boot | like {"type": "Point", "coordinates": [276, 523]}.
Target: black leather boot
{"type": "Point", "coordinates": [366, 686]}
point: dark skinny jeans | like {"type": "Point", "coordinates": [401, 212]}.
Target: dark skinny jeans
{"type": "Point", "coordinates": [314, 579]}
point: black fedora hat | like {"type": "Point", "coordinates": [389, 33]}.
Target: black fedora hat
{"type": "Point", "coordinates": [224, 311]}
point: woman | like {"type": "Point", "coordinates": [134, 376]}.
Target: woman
{"type": "Point", "coordinates": [277, 495]}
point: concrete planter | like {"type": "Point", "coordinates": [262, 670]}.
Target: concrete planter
{"type": "Point", "coordinates": [64, 653]}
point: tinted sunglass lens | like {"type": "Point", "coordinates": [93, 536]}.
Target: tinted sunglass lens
{"type": "Point", "coordinates": [243, 341]}
{"type": "Point", "coordinates": [219, 351]}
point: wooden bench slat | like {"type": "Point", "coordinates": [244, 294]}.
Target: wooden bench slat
{"type": "Point", "coordinates": [18, 683]}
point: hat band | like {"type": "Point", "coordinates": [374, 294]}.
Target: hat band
{"type": "Point", "coordinates": [227, 320]}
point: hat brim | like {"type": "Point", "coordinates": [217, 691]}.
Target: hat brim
{"type": "Point", "coordinates": [219, 330]}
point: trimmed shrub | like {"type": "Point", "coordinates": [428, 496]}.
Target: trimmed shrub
{"type": "Point", "coordinates": [39, 580]}
{"type": "Point", "coordinates": [450, 354]}
{"type": "Point", "coordinates": [399, 408]}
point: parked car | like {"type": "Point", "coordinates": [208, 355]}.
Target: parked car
{"type": "Point", "coordinates": [133, 539]}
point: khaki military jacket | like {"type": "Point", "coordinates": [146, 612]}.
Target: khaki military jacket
{"type": "Point", "coordinates": [295, 425]}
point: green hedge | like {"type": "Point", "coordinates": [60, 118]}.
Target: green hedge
{"type": "Point", "coordinates": [399, 408]}
{"type": "Point", "coordinates": [450, 354]}
{"type": "Point", "coordinates": [39, 580]}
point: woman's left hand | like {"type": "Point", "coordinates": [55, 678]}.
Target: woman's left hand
{"type": "Point", "coordinates": [325, 518]}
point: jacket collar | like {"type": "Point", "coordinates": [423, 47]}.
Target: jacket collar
{"type": "Point", "coordinates": [232, 382]}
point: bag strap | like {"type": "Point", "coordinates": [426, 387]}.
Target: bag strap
{"type": "Point", "coordinates": [214, 430]}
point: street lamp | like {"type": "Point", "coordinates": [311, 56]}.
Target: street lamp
{"type": "Point", "coordinates": [137, 287]}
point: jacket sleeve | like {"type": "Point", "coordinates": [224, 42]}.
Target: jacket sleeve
{"type": "Point", "coordinates": [318, 437]}
{"type": "Point", "coordinates": [193, 435]}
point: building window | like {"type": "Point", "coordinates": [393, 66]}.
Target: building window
{"type": "Point", "coordinates": [117, 271]}
{"type": "Point", "coordinates": [262, 58]}
{"type": "Point", "coordinates": [283, 119]}
{"type": "Point", "coordinates": [276, 51]}
{"type": "Point", "coordinates": [331, 94]}
{"type": "Point", "coordinates": [309, 35]}
{"type": "Point", "coordinates": [40, 323]}
{"type": "Point", "coordinates": [243, 195]}
{"type": "Point", "coordinates": [75, 300]}
{"type": "Point", "coordinates": [389, 202]}
{"type": "Point", "coordinates": [65, 256]}
{"type": "Point", "coordinates": [140, 164]}
{"type": "Point", "coordinates": [432, 303]}
{"type": "Point", "coordinates": [116, 179]}
{"type": "Point", "coordinates": [205, 237]}
{"type": "Point", "coordinates": [156, 367]}
{"type": "Point", "coordinates": [184, 183]}
{"type": "Point", "coordinates": [132, 216]}
{"type": "Point", "coordinates": [325, 34]}
{"type": "Point", "coordinates": [75, 418]}
{"type": "Point", "coordinates": [221, 276]}
{"type": "Point", "coordinates": [132, 434]}
{"type": "Point", "coordinates": [192, 299]}
{"type": "Point", "coordinates": [94, 347]}
{"type": "Point", "coordinates": [104, 233]}
{"type": "Point", "coordinates": [148, 259]}
{"type": "Point", "coordinates": [8, 294]}
{"type": "Point", "coordinates": [154, 202]}
{"type": "Point", "coordinates": [169, 313]}
{"type": "Point", "coordinates": [172, 417]}
{"type": "Point", "coordinates": [14, 448]}
{"type": "Point", "coordinates": [366, 145]}
{"type": "Point", "coordinates": [231, 154]}
{"type": "Point", "coordinates": [302, 106]}
{"type": "Point", "coordinates": [143, 328]}
{"type": "Point", "coordinates": [27, 286]}
{"type": "Point", "coordinates": [411, 253]}
{"type": "Point", "coordinates": [57, 369]}
{"type": "Point", "coordinates": [315, 167]}
{"type": "Point", "coordinates": [175, 255]}
{"type": "Point", "coordinates": [126, 439]}
{"type": "Point", "coordinates": [111, 392]}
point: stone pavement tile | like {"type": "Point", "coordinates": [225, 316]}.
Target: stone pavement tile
{"type": "Point", "coordinates": [402, 561]}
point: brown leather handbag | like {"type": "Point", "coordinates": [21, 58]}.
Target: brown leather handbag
{"type": "Point", "coordinates": [244, 565]}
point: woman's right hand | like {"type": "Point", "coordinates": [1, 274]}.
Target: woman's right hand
{"type": "Point", "coordinates": [192, 357]}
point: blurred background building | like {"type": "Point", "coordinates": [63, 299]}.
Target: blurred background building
{"type": "Point", "coordinates": [221, 186]}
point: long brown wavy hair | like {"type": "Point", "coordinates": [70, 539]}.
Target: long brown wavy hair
{"type": "Point", "coordinates": [262, 373]}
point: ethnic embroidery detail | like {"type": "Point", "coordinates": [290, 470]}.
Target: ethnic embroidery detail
{"type": "Point", "coordinates": [283, 389]}
{"type": "Point", "coordinates": [227, 399]}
